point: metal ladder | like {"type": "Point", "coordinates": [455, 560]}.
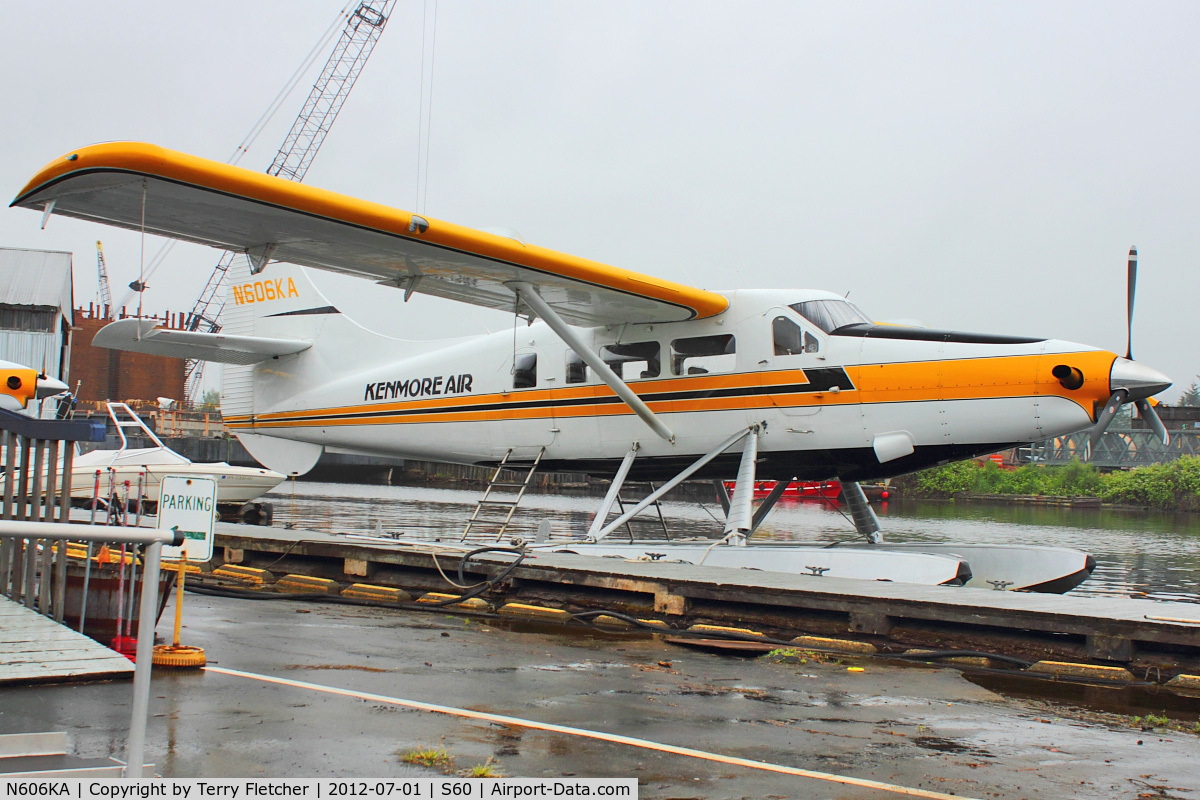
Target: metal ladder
{"type": "Point", "coordinates": [504, 507]}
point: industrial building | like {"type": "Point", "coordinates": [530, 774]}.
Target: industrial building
{"type": "Point", "coordinates": [116, 375]}
{"type": "Point", "coordinates": [36, 302]}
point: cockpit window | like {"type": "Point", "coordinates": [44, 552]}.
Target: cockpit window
{"type": "Point", "coordinates": [829, 315]}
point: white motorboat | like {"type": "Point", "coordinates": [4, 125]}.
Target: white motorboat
{"type": "Point", "coordinates": [104, 472]}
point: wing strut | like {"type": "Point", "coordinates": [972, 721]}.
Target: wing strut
{"type": "Point", "coordinates": [529, 296]}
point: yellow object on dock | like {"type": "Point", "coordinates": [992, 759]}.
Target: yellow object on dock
{"type": "Point", "coordinates": [473, 604]}
{"type": "Point", "coordinates": [384, 594]}
{"type": "Point", "coordinates": [721, 629]}
{"type": "Point", "coordinates": [837, 645]}
{"type": "Point", "coordinates": [535, 612]}
{"type": "Point", "coordinates": [237, 572]}
{"type": "Point", "coordinates": [306, 584]}
{"type": "Point", "coordinates": [1089, 671]}
{"type": "Point", "coordinates": [179, 656]}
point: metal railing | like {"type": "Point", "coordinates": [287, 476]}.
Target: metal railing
{"type": "Point", "coordinates": [35, 528]}
{"type": "Point", "coordinates": [1121, 449]}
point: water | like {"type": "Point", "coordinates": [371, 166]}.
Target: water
{"type": "Point", "coordinates": [1138, 554]}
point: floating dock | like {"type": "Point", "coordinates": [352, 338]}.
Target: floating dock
{"type": "Point", "coordinates": [1135, 633]}
{"type": "Point", "coordinates": [36, 649]}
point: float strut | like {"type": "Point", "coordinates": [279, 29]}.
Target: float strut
{"type": "Point", "coordinates": [865, 521]}
{"type": "Point", "coordinates": [671, 484]}
{"type": "Point", "coordinates": [614, 490]}
{"type": "Point", "coordinates": [766, 505]}
{"type": "Point", "coordinates": [740, 519]}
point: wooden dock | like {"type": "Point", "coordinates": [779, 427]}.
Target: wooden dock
{"type": "Point", "coordinates": [36, 649]}
{"type": "Point", "coordinates": [1109, 629]}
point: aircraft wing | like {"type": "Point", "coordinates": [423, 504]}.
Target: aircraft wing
{"type": "Point", "coordinates": [141, 336]}
{"type": "Point", "coordinates": [167, 193]}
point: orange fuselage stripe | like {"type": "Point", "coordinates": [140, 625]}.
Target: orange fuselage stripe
{"type": "Point", "coordinates": [961, 379]}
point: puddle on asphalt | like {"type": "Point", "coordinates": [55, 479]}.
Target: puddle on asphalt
{"type": "Point", "coordinates": [1126, 700]}
{"type": "Point", "coordinates": [942, 744]}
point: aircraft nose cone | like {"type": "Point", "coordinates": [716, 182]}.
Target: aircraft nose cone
{"type": "Point", "coordinates": [48, 387]}
{"type": "Point", "coordinates": [1138, 379]}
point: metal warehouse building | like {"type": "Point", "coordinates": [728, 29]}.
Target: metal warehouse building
{"type": "Point", "coordinates": [36, 302]}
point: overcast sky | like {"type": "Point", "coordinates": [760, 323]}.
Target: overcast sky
{"type": "Point", "coordinates": [976, 167]}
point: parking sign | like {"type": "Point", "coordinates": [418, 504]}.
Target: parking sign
{"type": "Point", "coordinates": [189, 504]}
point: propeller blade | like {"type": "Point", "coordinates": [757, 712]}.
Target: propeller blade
{"type": "Point", "coordinates": [1118, 399]}
{"type": "Point", "coordinates": [1151, 416]}
{"type": "Point", "coordinates": [1129, 293]}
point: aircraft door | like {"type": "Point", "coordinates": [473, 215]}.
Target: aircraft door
{"type": "Point", "coordinates": [793, 361]}
{"type": "Point", "coordinates": [528, 422]}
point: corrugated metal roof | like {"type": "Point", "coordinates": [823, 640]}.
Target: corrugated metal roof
{"type": "Point", "coordinates": [37, 278]}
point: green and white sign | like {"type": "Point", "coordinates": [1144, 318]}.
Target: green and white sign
{"type": "Point", "coordinates": [189, 504]}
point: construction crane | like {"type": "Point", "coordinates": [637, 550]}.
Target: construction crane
{"type": "Point", "coordinates": [362, 30]}
{"type": "Point", "coordinates": [106, 303]}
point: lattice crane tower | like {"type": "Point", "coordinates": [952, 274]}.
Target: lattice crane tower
{"type": "Point", "coordinates": [106, 301]}
{"type": "Point", "coordinates": [363, 28]}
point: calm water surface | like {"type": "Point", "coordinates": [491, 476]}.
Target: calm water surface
{"type": "Point", "coordinates": [1137, 553]}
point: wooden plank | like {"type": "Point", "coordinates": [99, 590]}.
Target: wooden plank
{"type": "Point", "coordinates": [35, 648]}
{"type": "Point", "coordinates": [34, 673]}
{"type": "Point", "coordinates": [13, 650]}
{"type": "Point", "coordinates": [52, 657]}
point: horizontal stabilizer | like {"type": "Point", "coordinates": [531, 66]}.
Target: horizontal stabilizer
{"type": "Point", "coordinates": [142, 336]}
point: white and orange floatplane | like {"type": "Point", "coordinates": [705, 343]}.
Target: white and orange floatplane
{"type": "Point", "coordinates": [617, 373]}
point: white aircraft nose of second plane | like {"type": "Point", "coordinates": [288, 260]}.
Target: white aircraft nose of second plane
{"type": "Point", "coordinates": [1138, 379]}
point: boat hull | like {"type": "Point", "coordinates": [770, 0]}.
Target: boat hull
{"type": "Point", "coordinates": [235, 485]}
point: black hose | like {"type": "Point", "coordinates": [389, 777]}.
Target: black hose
{"type": "Point", "coordinates": [488, 584]}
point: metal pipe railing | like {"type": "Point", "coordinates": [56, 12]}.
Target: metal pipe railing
{"type": "Point", "coordinates": [31, 533]}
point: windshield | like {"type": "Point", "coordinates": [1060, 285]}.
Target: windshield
{"type": "Point", "coordinates": [829, 315]}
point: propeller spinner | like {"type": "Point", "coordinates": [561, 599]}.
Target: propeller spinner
{"type": "Point", "coordinates": [1129, 381]}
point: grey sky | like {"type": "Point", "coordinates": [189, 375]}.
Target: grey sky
{"type": "Point", "coordinates": [980, 167]}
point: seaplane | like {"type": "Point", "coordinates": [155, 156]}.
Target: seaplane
{"type": "Point", "coordinates": [609, 372]}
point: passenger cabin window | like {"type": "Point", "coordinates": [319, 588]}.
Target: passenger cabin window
{"type": "Point", "coordinates": [577, 371]}
{"type": "Point", "coordinates": [525, 371]}
{"type": "Point", "coordinates": [829, 315]}
{"type": "Point", "coordinates": [700, 355]}
{"type": "Point", "coordinates": [633, 360]}
{"type": "Point", "coordinates": [791, 339]}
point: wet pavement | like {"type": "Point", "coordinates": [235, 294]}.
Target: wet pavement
{"type": "Point", "coordinates": [924, 727]}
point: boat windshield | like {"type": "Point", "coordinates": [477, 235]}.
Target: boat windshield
{"type": "Point", "coordinates": [829, 315]}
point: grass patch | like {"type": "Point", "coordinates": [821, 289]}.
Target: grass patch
{"type": "Point", "coordinates": [485, 770]}
{"type": "Point", "coordinates": [1162, 721]}
{"type": "Point", "coordinates": [434, 758]}
{"type": "Point", "coordinates": [800, 656]}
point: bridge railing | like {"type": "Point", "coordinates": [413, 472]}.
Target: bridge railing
{"type": "Point", "coordinates": [1122, 449]}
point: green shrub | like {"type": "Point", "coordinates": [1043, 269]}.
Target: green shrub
{"type": "Point", "coordinates": [1174, 485]}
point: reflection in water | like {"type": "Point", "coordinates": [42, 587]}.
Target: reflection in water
{"type": "Point", "coordinates": [1137, 553]}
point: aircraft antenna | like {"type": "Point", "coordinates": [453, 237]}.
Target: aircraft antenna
{"type": "Point", "coordinates": [106, 301]}
{"type": "Point", "coordinates": [362, 30]}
